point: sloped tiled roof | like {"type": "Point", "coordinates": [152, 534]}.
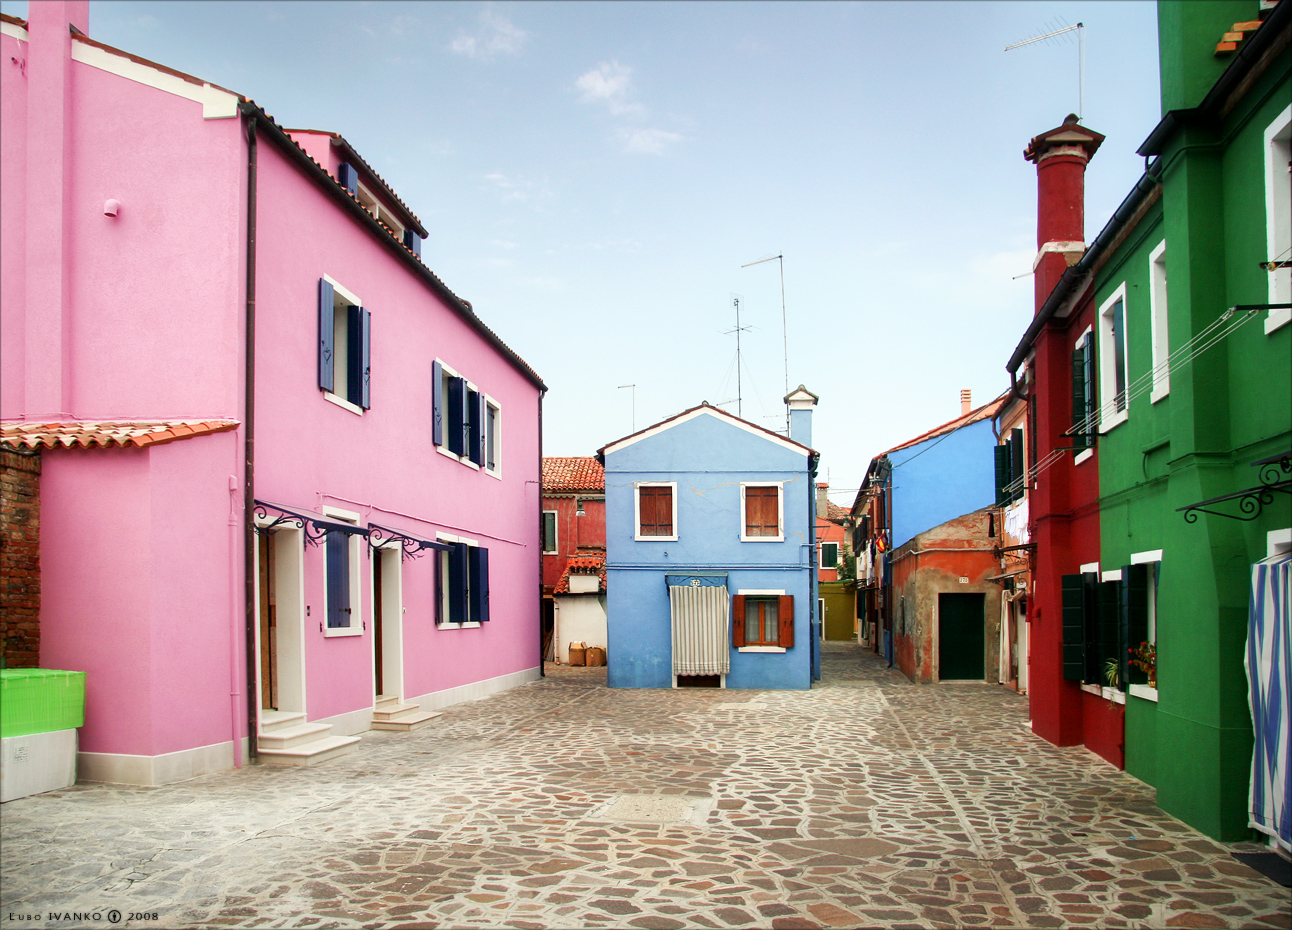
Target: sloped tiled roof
{"type": "Point", "coordinates": [107, 434]}
{"type": "Point", "coordinates": [834, 513]}
{"type": "Point", "coordinates": [973, 416]}
{"type": "Point", "coordinates": [573, 473]}
{"type": "Point", "coordinates": [582, 565]}
{"type": "Point", "coordinates": [709, 408]}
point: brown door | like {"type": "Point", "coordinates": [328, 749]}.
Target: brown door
{"type": "Point", "coordinates": [268, 627]}
{"type": "Point", "coordinates": [376, 617]}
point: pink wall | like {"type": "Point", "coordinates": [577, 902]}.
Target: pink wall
{"type": "Point", "coordinates": [134, 557]}
{"type": "Point", "coordinates": [383, 464]}
{"type": "Point", "coordinates": [13, 210]}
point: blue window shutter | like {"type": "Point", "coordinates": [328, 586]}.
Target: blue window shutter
{"type": "Point", "coordinates": [345, 173]}
{"type": "Point", "coordinates": [437, 401]}
{"type": "Point", "coordinates": [338, 580]}
{"type": "Point", "coordinates": [457, 390]}
{"type": "Point", "coordinates": [413, 241]}
{"type": "Point", "coordinates": [479, 583]}
{"type": "Point", "coordinates": [458, 581]}
{"type": "Point", "coordinates": [360, 360]}
{"type": "Point", "coordinates": [475, 427]}
{"type": "Point", "coordinates": [326, 343]}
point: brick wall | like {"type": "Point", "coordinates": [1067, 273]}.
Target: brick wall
{"type": "Point", "coordinates": [19, 558]}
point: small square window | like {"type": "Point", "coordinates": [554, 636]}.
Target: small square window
{"type": "Point", "coordinates": [656, 511]}
{"type": "Point", "coordinates": [762, 621]}
{"type": "Point", "coordinates": [760, 517]}
{"type": "Point", "coordinates": [829, 555]}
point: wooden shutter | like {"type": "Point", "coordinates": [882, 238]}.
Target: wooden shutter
{"type": "Point", "coordinates": [1109, 609]}
{"type": "Point", "coordinates": [1134, 619]}
{"type": "Point", "coordinates": [738, 620]}
{"type": "Point", "coordinates": [762, 511]}
{"type": "Point", "coordinates": [338, 580]}
{"type": "Point", "coordinates": [1074, 627]}
{"type": "Point", "coordinates": [347, 176]}
{"type": "Point", "coordinates": [357, 365]}
{"type": "Point", "coordinates": [458, 581]}
{"type": "Point", "coordinates": [414, 242]}
{"type": "Point", "coordinates": [1078, 395]}
{"type": "Point", "coordinates": [475, 427]}
{"type": "Point", "coordinates": [437, 403]}
{"type": "Point", "coordinates": [478, 583]}
{"type": "Point", "coordinates": [785, 614]}
{"type": "Point", "coordinates": [1001, 453]}
{"type": "Point", "coordinates": [456, 400]}
{"type": "Point", "coordinates": [655, 509]}
{"type": "Point", "coordinates": [327, 346]}
{"type": "Point", "coordinates": [1016, 472]}
{"type": "Point", "coordinates": [549, 531]}
{"type": "Point", "coordinates": [829, 555]}
{"type": "Point", "coordinates": [439, 586]}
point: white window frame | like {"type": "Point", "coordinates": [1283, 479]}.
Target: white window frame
{"type": "Point", "coordinates": [1278, 222]}
{"type": "Point", "coordinates": [759, 592]}
{"type": "Point", "coordinates": [491, 404]}
{"type": "Point", "coordinates": [355, 542]}
{"type": "Point", "coordinates": [556, 533]}
{"type": "Point", "coordinates": [442, 610]}
{"type": "Point", "coordinates": [1159, 322]}
{"type": "Point", "coordinates": [1152, 558]}
{"type": "Point", "coordinates": [1088, 331]}
{"type": "Point", "coordinates": [780, 511]}
{"type": "Point", "coordinates": [341, 347]}
{"type": "Point", "coordinates": [446, 372]}
{"type": "Point", "coordinates": [373, 205]}
{"type": "Point", "coordinates": [637, 511]}
{"type": "Point", "coordinates": [821, 557]}
{"type": "Point", "coordinates": [1106, 370]}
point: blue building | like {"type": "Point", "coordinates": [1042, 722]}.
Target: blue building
{"type": "Point", "coordinates": [710, 553]}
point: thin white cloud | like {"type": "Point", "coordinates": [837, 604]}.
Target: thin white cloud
{"type": "Point", "coordinates": [647, 141]}
{"type": "Point", "coordinates": [502, 243]}
{"type": "Point", "coordinates": [497, 35]}
{"type": "Point", "coordinates": [609, 83]}
{"type": "Point", "coordinates": [517, 190]}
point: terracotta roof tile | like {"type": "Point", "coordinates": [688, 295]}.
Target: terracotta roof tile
{"type": "Point", "coordinates": [582, 565]}
{"type": "Point", "coordinates": [107, 434]}
{"type": "Point", "coordinates": [973, 416]}
{"type": "Point", "coordinates": [573, 473]}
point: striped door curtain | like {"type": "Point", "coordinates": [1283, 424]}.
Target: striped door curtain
{"type": "Point", "coordinates": [1269, 674]}
{"type": "Point", "coordinates": [700, 629]}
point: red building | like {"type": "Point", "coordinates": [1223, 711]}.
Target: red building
{"type": "Point", "coordinates": [574, 528]}
{"type": "Point", "coordinates": [1057, 363]}
{"type": "Point", "coordinates": [830, 520]}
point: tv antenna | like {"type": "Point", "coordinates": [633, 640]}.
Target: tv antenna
{"type": "Point", "coordinates": [735, 302]}
{"type": "Point", "coordinates": [1080, 30]}
{"type": "Point", "coordinates": [785, 339]}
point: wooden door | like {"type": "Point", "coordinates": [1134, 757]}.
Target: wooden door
{"type": "Point", "coordinates": [961, 637]}
{"type": "Point", "coordinates": [268, 626]}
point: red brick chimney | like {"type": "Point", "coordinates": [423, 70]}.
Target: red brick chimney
{"type": "Point", "coordinates": [1060, 156]}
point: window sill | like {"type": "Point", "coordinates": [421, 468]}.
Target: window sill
{"type": "Point", "coordinates": [760, 649]}
{"type": "Point", "coordinates": [1154, 397]}
{"type": "Point", "coordinates": [654, 539]}
{"type": "Point", "coordinates": [1083, 456]}
{"type": "Point", "coordinates": [1114, 421]}
{"type": "Point", "coordinates": [460, 459]}
{"type": "Point", "coordinates": [764, 539]}
{"type": "Point", "coordinates": [474, 625]}
{"type": "Point", "coordinates": [342, 403]}
{"type": "Point", "coordinates": [1144, 692]}
{"type": "Point", "coordinates": [495, 473]}
{"type": "Point", "coordinates": [342, 631]}
{"type": "Point", "coordinates": [1108, 694]}
{"type": "Point", "coordinates": [1277, 319]}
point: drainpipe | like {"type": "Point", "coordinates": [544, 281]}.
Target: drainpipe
{"type": "Point", "coordinates": [542, 672]}
{"type": "Point", "coordinates": [248, 434]}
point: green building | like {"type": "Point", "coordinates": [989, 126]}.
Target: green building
{"type": "Point", "coordinates": [1195, 395]}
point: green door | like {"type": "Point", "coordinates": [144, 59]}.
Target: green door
{"type": "Point", "coordinates": [961, 637]}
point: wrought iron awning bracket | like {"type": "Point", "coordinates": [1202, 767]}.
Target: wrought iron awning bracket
{"type": "Point", "coordinates": [411, 547]}
{"type": "Point", "coordinates": [313, 527]}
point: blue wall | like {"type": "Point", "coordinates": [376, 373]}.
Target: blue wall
{"type": "Point", "coordinates": [942, 478]}
{"type": "Point", "coordinates": [708, 457]}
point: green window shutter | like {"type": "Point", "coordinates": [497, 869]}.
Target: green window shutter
{"type": "Point", "coordinates": [1078, 395]}
{"type": "Point", "coordinates": [1001, 453]}
{"type": "Point", "coordinates": [1016, 472]}
{"type": "Point", "coordinates": [549, 531]}
{"type": "Point", "coordinates": [1134, 613]}
{"type": "Point", "coordinates": [1074, 627]}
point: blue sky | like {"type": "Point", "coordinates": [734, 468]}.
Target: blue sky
{"type": "Point", "coordinates": [593, 176]}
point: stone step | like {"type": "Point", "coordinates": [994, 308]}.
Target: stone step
{"type": "Point", "coordinates": [383, 701]}
{"type": "Point", "coordinates": [311, 753]}
{"type": "Point", "coordinates": [389, 710]}
{"type": "Point", "coordinates": [292, 737]}
{"type": "Point", "coordinates": [410, 720]}
{"type": "Point", "coordinates": [271, 720]}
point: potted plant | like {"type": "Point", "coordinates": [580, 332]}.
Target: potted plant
{"type": "Point", "coordinates": [1144, 658]}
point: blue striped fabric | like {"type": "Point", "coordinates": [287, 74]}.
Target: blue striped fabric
{"type": "Point", "coordinates": [1269, 674]}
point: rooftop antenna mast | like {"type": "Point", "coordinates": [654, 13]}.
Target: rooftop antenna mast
{"type": "Point", "coordinates": [735, 302]}
{"type": "Point", "coordinates": [1080, 30]}
{"type": "Point", "coordinates": [785, 339]}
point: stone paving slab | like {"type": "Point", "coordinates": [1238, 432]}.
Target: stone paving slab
{"type": "Point", "coordinates": [866, 801]}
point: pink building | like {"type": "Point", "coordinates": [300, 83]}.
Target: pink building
{"type": "Point", "coordinates": [290, 481]}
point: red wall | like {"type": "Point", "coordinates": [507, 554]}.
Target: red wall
{"type": "Point", "coordinates": [573, 533]}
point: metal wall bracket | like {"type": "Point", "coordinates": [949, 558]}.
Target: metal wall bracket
{"type": "Point", "coordinates": [1275, 475]}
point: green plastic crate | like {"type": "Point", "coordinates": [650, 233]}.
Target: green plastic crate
{"type": "Point", "coordinates": [40, 700]}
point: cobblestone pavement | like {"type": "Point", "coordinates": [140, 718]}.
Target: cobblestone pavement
{"type": "Point", "coordinates": [867, 801]}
